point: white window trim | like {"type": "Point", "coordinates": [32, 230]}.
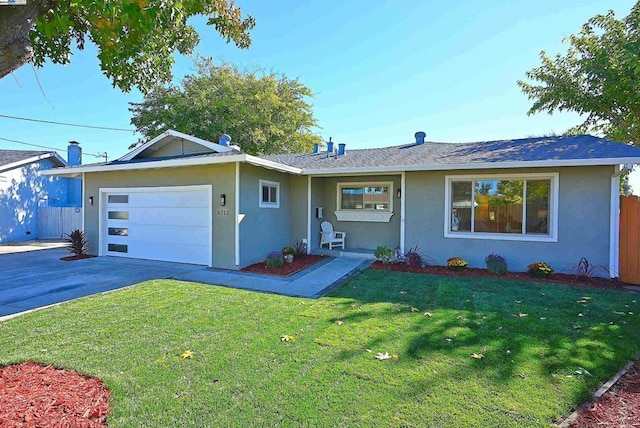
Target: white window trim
{"type": "Point", "coordinates": [376, 216]}
{"type": "Point", "coordinates": [263, 204]}
{"type": "Point", "coordinates": [553, 208]}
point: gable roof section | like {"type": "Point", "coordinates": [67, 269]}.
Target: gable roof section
{"type": "Point", "coordinates": [169, 136]}
{"type": "Point", "coordinates": [580, 150]}
{"type": "Point", "coordinates": [10, 159]}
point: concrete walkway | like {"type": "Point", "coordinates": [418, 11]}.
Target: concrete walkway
{"type": "Point", "coordinates": [35, 245]}
{"type": "Point", "coordinates": [313, 282]}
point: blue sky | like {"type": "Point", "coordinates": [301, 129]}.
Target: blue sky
{"type": "Point", "coordinates": [381, 70]}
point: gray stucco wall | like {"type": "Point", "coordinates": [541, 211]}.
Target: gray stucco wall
{"type": "Point", "coordinates": [583, 223]}
{"type": "Point", "coordinates": [222, 177]}
{"type": "Point", "coordinates": [263, 230]}
{"type": "Point", "coordinates": [361, 235]}
{"type": "Point", "coordinates": [298, 208]}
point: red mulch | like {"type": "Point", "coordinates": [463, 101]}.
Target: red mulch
{"type": "Point", "coordinates": [619, 407]}
{"type": "Point", "coordinates": [78, 257]}
{"type": "Point", "coordinates": [287, 269]}
{"type": "Point", "coordinates": [556, 278]}
{"type": "Point", "coordinates": [33, 395]}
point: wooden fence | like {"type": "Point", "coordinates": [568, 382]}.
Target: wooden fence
{"type": "Point", "coordinates": [57, 222]}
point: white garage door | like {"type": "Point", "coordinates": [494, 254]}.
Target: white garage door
{"type": "Point", "coordinates": [167, 223]}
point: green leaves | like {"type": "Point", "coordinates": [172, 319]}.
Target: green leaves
{"type": "Point", "coordinates": [265, 113]}
{"type": "Point", "coordinates": [135, 39]}
{"type": "Point", "coordinates": [596, 77]}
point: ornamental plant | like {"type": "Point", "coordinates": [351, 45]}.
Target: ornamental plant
{"type": "Point", "coordinates": [385, 254]}
{"type": "Point", "coordinates": [77, 243]}
{"type": "Point", "coordinates": [496, 264]}
{"type": "Point", "coordinates": [456, 263]}
{"type": "Point", "coordinates": [539, 270]}
{"type": "Point", "coordinates": [288, 250]}
{"type": "Point", "coordinates": [274, 260]}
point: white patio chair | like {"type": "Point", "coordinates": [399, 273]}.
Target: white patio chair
{"type": "Point", "coordinates": [330, 237]}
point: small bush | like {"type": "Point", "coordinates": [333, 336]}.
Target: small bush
{"type": "Point", "coordinates": [274, 260]}
{"type": "Point", "coordinates": [413, 257]}
{"type": "Point", "coordinates": [300, 249]}
{"type": "Point", "coordinates": [496, 264]}
{"type": "Point", "coordinates": [539, 270]}
{"type": "Point", "coordinates": [77, 243]}
{"type": "Point", "coordinates": [288, 250]}
{"type": "Point", "coordinates": [587, 270]}
{"type": "Point", "coordinates": [385, 254]}
{"type": "Point", "coordinates": [456, 263]}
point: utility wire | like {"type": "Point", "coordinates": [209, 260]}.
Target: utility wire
{"type": "Point", "coordinates": [99, 155]}
{"type": "Point", "coordinates": [65, 123]}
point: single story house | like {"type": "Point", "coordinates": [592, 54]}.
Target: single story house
{"type": "Point", "coordinates": [183, 199]}
{"type": "Point", "coordinates": [23, 189]}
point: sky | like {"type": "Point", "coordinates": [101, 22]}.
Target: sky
{"type": "Point", "coordinates": [380, 71]}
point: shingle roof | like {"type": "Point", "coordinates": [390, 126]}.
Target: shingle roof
{"type": "Point", "coordinates": [12, 156]}
{"type": "Point", "coordinates": [567, 148]}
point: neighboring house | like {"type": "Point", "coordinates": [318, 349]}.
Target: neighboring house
{"type": "Point", "coordinates": [179, 198]}
{"type": "Point", "coordinates": [23, 189]}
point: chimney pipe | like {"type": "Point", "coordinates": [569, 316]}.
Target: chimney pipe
{"type": "Point", "coordinates": [420, 137]}
{"type": "Point", "coordinates": [224, 140]}
{"type": "Point", "coordinates": [74, 153]}
{"type": "Point", "coordinates": [342, 149]}
{"type": "Point", "coordinates": [315, 148]}
{"type": "Point", "coordinates": [330, 146]}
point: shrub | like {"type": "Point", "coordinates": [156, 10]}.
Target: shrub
{"type": "Point", "coordinates": [413, 257]}
{"type": "Point", "coordinates": [496, 264]}
{"type": "Point", "coordinates": [539, 270]}
{"type": "Point", "coordinates": [274, 260]}
{"type": "Point", "coordinates": [457, 263]}
{"type": "Point", "coordinates": [77, 243]}
{"type": "Point", "coordinates": [300, 249]}
{"type": "Point", "coordinates": [288, 250]}
{"type": "Point", "coordinates": [584, 269]}
{"type": "Point", "coordinates": [385, 254]}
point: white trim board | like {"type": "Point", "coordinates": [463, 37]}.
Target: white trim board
{"type": "Point", "coordinates": [171, 133]}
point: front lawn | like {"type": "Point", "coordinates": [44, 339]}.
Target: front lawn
{"type": "Point", "coordinates": [532, 338]}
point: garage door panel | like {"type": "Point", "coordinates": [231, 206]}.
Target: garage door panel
{"type": "Point", "coordinates": [171, 216]}
{"type": "Point", "coordinates": [170, 252]}
{"type": "Point", "coordinates": [171, 224]}
{"type": "Point", "coordinates": [193, 199]}
{"type": "Point", "coordinates": [151, 233]}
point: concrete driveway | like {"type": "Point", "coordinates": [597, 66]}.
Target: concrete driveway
{"type": "Point", "coordinates": [29, 280]}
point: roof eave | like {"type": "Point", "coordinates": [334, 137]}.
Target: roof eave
{"type": "Point", "coordinates": [27, 161]}
{"type": "Point", "coordinates": [171, 133]}
{"type": "Point", "coordinates": [468, 166]}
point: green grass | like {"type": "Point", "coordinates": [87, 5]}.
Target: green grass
{"type": "Point", "coordinates": [243, 375]}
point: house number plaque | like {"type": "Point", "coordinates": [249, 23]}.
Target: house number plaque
{"type": "Point", "coordinates": [224, 212]}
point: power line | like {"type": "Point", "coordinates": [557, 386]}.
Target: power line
{"type": "Point", "coordinates": [98, 155]}
{"type": "Point", "coordinates": [66, 123]}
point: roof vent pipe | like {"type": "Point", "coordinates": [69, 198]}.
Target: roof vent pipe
{"type": "Point", "coordinates": [224, 140]}
{"type": "Point", "coordinates": [330, 146]}
{"type": "Point", "coordinates": [420, 137]}
{"type": "Point", "coordinates": [315, 148]}
{"type": "Point", "coordinates": [342, 149]}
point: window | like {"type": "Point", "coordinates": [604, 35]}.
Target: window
{"type": "Point", "coordinates": [118, 248]}
{"type": "Point", "coordinates": [269, 194]}
{"type": "Point", "coordinates": [118, 215]}
{"type": "Point", "coordinates": [365, 201]}
{"type": "Point", "coordinates": [520, 207]}
{"type": "Point", "coordinates": [118, 199]}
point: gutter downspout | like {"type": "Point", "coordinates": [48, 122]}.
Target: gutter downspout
{"type": "Point", "coordinates": [308, 214]}
{"type": "Point", "coordinates": [237, 210]}
{"type": "Point", "coordinates": [614, 220]}
{"type": "Point", "coordinates": [403, 199]}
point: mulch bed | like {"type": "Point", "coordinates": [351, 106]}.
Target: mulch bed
{"type": "Point", "coordinates": [287, 269]}
{"type": "Point", "coordinates": [33, 395]}
{"type": "Point", "coordinates": [619, 407]}
{"type": "Point", "coordinates": [556, 278]}
{"type": "Point", "coordinates": [78, 257]}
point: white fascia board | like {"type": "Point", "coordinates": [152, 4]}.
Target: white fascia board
{"type": "Point", "coordinates": [484, 165]}
{"type": "Point", "coordinates": [168, 163]}
{"type": "Point", "coordinates": [27, 161]}
{"type": "Point", "coordinates": [253, 160]}
{"type": "Point", "coordinates": [171, 133]}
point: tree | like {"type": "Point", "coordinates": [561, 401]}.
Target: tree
{"type": "Point", "coordinates": [599, 77]}
{"type": "Point", "coordinates": [136, 39]}
{"type": "Point", "coordinates": [265, 113]}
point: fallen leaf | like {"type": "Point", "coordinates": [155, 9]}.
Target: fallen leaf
{"type": "Point", "coordinates": [477, 356]}
{"type": "Point", "coordinates": [580, 314]}
{"type": "Point", "coordinates": [449, 340]}
{"type": "Point", "coordinates": [521, 315]}
{"type": "Point", "coordinates": [518, 301]}
{"type": "Point", "coordinates": [577, 327]}
{"type": "Point", "coordinates": [582, 371]}
{"type": "Point", "coordinates": [587, 298]}
{"type": "Point", "coordinates": [287, 338]}
{"type": "Point", "coordinates": [187, 354]}
{"type": "Point", "coordinates": [428, 314]}
{"type": "Point", "coordinates": [581, 301]}
{"type": "Point", "coordinates": [368, 350]}
{"type": "Point", "coordinates": [543, 318]}
{"type": "Point", "coordinates": [394, 357]}
{"type": "Point", "coordinates": [508, 351]}
{"type": "Point", "coordinates": [338, 322]}
{"type": "Point", "coordinates": [522, 375]}
{"type": "Point", "coordinates": [414, 309]}
{"type": "Point", "coordinates": [380, 356]}
{"type": "Point", "coordinates": [403, 292]}
{"type": "Point", "coordinates": [630, 313]}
